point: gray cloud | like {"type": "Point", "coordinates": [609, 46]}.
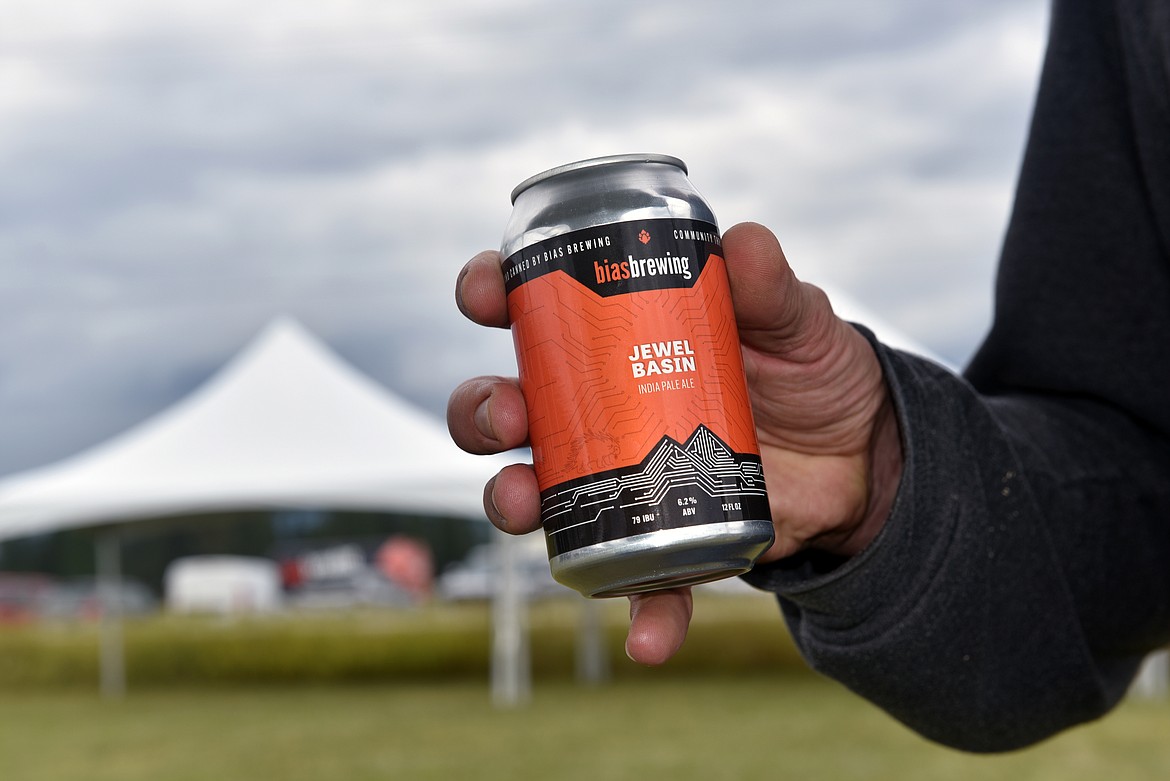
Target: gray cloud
{"type": "Point", "coordinates": [175, 176]}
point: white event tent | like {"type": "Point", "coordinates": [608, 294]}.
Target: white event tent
{"type": "Point", "coordinates": [285, 424]}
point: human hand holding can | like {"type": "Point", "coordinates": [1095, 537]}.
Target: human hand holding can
{"type": "Point", "coordinates": [825, 422]}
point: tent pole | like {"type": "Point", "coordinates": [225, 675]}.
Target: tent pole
{"type": "Point", "coordinates": [108, 553]}
{"type": "Point", "coordinates": [592, 662]}
{"type": "Point", "coordinates": [1153, 680]}
{"type": "Point", "coordinates": [511, 664]}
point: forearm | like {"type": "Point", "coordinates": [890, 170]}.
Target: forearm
{"type": "Point", "coordinates": [973, 616]}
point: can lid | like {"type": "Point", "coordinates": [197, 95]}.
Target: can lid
{"type": "Point", "coordinates": [595, 162]}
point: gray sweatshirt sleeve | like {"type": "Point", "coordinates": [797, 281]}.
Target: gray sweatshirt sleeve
{"type": "Point", "coordinates": [1025, 568]}
{"type": "Point", "coordinates": [1009, 595]}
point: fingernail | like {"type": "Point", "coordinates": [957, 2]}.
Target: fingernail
{"type": "Point", "coordinates": [459, 289]}
{"type": "Point", "coordinates": [483, 419]}
{"type": "Point", "coordinates": [489, 505]}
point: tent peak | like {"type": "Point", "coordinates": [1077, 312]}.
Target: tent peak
{"type": "Point", "coordinates": [285, 423]}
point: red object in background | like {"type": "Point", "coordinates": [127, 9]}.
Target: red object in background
{"type": "Point", "coordinates": [407, 563]}
{"type": "Point", "coordinates": [291, 575]}
{"type": "Point", "coordinates": [20, 595]}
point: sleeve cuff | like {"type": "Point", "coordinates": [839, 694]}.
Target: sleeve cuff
{"type": "Point", "coordinates": [846, 592]}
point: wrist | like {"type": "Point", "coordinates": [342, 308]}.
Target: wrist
{"type": "Point", "coordinates": [885, 475]}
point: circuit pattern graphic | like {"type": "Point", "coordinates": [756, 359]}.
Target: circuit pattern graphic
{"type": "Point", "coordinates": [699, 481]}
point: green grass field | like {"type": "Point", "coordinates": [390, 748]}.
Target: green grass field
{"type": "Point", "coordinates": [405, 695]}
{"type": "Point", "coordinates": [787, 726]}
{"type": "Point", "coordinates": [440, 642]}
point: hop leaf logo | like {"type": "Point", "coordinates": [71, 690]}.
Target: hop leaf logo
{"type": "Point", "coordinates": [644, 237]}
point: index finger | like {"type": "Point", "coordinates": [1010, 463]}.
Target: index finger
{"type": "Point", "coordinates": [479, 290]}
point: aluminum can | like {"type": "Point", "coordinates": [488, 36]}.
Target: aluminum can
{"type": "Point", "coordinates": [629, 360]}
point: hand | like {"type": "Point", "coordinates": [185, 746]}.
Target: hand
{"type": "Point", "coordinates": [828, 435]}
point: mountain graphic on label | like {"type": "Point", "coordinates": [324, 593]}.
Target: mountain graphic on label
{"type": "Point", "coordinates": [703, 468]}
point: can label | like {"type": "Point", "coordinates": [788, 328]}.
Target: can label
{"type": "Point", "coordinates": [630, 365]}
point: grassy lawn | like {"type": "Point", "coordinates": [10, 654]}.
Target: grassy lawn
{"type": "Point", "coordinates": [404, 695]}
{"type": "Point", "coordinates": [787, 726]}
{"type": "Point", "coordinates": [438, 642]}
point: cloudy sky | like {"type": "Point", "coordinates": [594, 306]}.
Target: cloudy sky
{"type": "Point", "coordinates": [175, 174]}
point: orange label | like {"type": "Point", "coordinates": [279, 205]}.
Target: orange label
{"type": "Point", "coordinates": [607, 374]}
{"type": "Point", "coordinates": [631, 368]}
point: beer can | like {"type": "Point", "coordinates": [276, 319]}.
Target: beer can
{"type": "Point", "coordinates": [640, 424]}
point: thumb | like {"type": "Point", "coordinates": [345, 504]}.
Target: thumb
{"type": "Point", "coordinates": [658, 624]}
{"type": "Point", "coordinates": [776, 312]}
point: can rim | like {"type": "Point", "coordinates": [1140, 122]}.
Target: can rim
{"type": "Point", "coordinates": [596, 162]}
